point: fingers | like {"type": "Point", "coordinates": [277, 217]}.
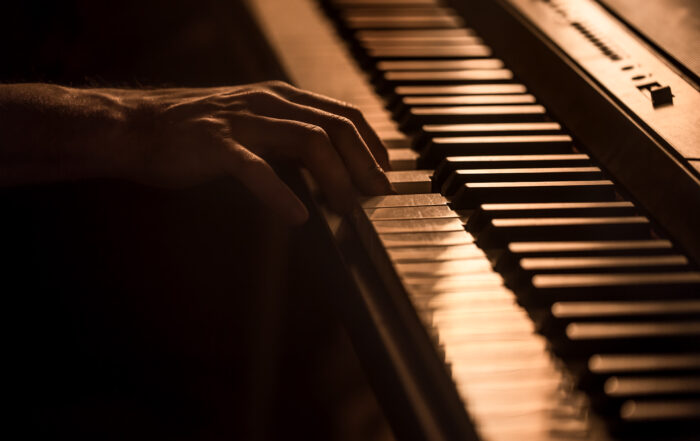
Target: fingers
{"type": "Point", "coordinates": [359, 160]}
{"type": "Point", "coordinates": [262, 181]}
{"type": "Point", "coordinates": [337, 107]}
{"type": "Point", "coordinates": [273, 120]}
{"type": "Point", "coordinates": [287, 139]}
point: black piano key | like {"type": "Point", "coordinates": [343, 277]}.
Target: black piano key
{"type": "Point", "coordinates": [522, 272]}
{"type": "Point", "coordinates": [409, 102]}
{"type": "Point", "coordinates": [394, 11]}
{"type": "Point", "coordinates": [404, 104]}
{"type": "Point", "coordinates": [471, 195]}
{"type": "Point", "coordinates": [501, 231]}
{"type": "Point", "coordinates": [486, 212]}
{"type": "Point", "coordinates": [394, 98]}
{"type": "Point", "coordinates": [561, 314]}
{"type": "Point", "coordinates": [467, 100]}
{"type": "Point", "coordinates": [465, 89]}
{"type": "Point", "coordinates": [545, 289]}
{"type": "Point", "coordinates": [429, 52]}
{"type": "Point", "coordinates": [554, 321]}
{"type": "Point", "coordinates": [590, 248]}
{"type": "Point", "coordinates": [615, 391]}
{"type": "Point", "coordinates": [640, 387]}
{"type": "Point", "coordinates": [412, 33]}
{"type": "Point", "coordinates": [594, 371]}
{"type": "Point", "coordinates": [436, 65]}
{"type": "Point", "coordinates": [429, 131]}
{"type": "Point", "coordinates": [465, 76]}
{"type": "Point", "coordinates": [381, 3]}
{"type": "Point", "coordinates": [550, 265]}
{"type": "Point", "coordinates": [460, 177]}
{"type": "Point", "coordinates": [618, 388]}
{"type": "Point", "coordinates": [581, 339]}
{"type": "Point", "coordinates": [514, 251]}
{"type": "Point", "coordinates": [454, 130]}
{"type": "Point", "coordinates": [452, 163]}
{"type": "Point", "coordinates": [385, 82]}
{"type": "Point", "coordinates": [438, 149]}
{"type": "Point", "coordinates": [676, 418]}
{"type": "Point", "coordinates": [626, 364]}
{"type": "Point", "coordinates": [415, 117]}
{"type": "Point", "coordinates": [613, 379]}
{"type": "Point", "coordinates": [599, 367]}
{"type": "Point", "coordinates": [378, 43]}
{"type": "Point", "coordinates": [418, 21]}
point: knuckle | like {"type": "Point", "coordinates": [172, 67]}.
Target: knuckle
{"type": "Point", "coordinates": [258, 99]}
{"type": "Point", "coordinates": [217, 102]}
{"type": "Point", "coordinates": [353, 112]}
{"type": "Point", "coordinates": [316, 133]}
{"type": "Point", "coordinates": [277, 84]}
{"type": "Point", "coordinates": [211, 126]}
{"type": "Point", "coordinates": [344, 123]}
{"type": "Point", "coordinates": [318, 140]}
{"type": "Point", "coordinates": [265, 95]}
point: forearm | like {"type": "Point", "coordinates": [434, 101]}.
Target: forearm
{"type": "Point", "coordinates": [51, 133]}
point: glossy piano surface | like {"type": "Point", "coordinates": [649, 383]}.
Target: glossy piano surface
{"type": "Point", "coordinates": [541, 295]}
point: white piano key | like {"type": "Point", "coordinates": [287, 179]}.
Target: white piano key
{"type": "Point", "coordinates": [453, 283]}
{"type": "Point", "coordinates": [417, 225]}
{"type": "Point", "coordinates": [411, 181]}
{"type": "Point", "coordinates": [419, 212]}
{"type": "Point", "coordinates": [431, 254]}
{"type": "Point", "coordinates": [403, 200]}
{"type": "Point", "coordinates": [426, 239]}
{"type": "Point", "coordinates": [437, 269]}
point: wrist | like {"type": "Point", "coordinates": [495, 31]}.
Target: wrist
{"type": "Point", "coordinates": [98, 137]}
{"type": "Point", "coordinates": [54, 133]}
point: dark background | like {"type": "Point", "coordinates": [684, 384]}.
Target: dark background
{"type": "Point", "coordinates": [136, 312]}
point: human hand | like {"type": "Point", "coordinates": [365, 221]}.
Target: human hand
{"type": "Point", "coordinates": [183, 136]}
{"type": "Point", "coordinates": [179, 137]}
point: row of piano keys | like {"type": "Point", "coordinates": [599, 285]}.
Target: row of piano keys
{"type": "Point", "coordinates": [548, 293]}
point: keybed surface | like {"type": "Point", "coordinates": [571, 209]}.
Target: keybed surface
{"type": "Point", "coordinates": [561, 313]}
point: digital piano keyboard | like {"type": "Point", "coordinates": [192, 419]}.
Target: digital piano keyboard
{"type": "Point", "coordinates": [536, 276]}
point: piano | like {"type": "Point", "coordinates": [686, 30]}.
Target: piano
{"type": "Point", "coordinates": [536, 276]}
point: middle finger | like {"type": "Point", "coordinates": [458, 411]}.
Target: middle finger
{"type": "Point", "coordinates": [364, 169]}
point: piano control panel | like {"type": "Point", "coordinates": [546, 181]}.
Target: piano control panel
{"type": "Point", "coordinates": [662, 99]}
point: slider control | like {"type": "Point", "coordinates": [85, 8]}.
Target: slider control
{"type": "Point", "coordinates": [660, 95]}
